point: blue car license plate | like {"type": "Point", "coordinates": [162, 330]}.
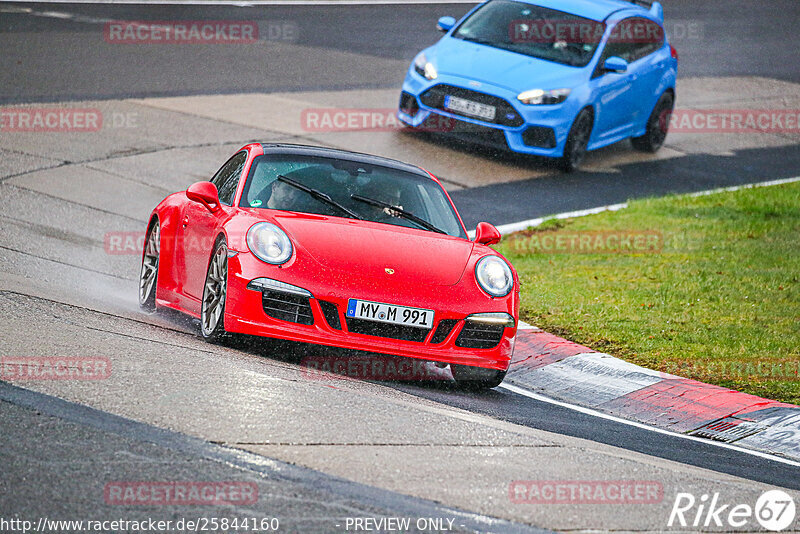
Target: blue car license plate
{"type": "Point", "coordinates": [468, 107]}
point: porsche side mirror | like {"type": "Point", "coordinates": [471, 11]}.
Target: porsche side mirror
{"type": "Point", "coordinates": [205, 193]}
{"type": "Point", "coordinates": [615, 64]}
{"type": "Point", "coordinates": [445, 23]}
{"type": "Point", "coordinates": [486, 234]}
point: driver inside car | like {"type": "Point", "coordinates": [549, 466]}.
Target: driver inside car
{"type": "Point", "coordinates": [388, 193]}
{"type": "Point", "coordinates": [284, 196]}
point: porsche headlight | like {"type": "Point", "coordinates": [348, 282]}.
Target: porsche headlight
{"type": "Point", "coordinates": [494, 276]}
{"type": "Point", "coordinates": [425, 68]}
{"type": "Point", "coordinates": [269, 243]}
{"type": "Point", "coordinates": [540, 96]}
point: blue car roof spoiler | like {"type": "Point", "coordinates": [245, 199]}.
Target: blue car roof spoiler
{"type": "Point", "coordinates": [655, 8]}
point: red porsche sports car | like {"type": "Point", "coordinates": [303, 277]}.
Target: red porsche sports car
{"type": "Point", "coordinates": [335, 248]}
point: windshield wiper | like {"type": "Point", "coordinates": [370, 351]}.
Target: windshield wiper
{"type": "Point", "coordinates": [400, 211]}
{"type": "Point", "coordinates": [478, 40]}
{"type": "Point", "coordinates": [319, 195]}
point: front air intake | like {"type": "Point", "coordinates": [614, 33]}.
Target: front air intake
{"type": "Point", "coordinates": [287, 307]}
{"type": "Point", "coordinates": [477, 335]}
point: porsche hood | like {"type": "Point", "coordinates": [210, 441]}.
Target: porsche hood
{"type": "Point", "coordinates": [356, 249]}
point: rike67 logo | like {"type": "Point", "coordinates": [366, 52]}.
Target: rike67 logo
{"type": "Point", "coordinates": [774, 511]}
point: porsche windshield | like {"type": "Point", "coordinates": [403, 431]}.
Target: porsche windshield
{"type": "Point", "coordinates": [343, 188]}
{"type": "Point", "coordinates": [533, 31]}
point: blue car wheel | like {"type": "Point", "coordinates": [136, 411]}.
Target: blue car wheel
{"type": "Point", "coordinates": [578, 139]}
{"type": "Point", "coordinates": [657, 125]}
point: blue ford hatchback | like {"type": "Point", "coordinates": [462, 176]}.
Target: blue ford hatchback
{"type": "Point", "coordinates": [547, 77]}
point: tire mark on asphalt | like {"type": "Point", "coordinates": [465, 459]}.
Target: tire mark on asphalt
{"type": "Point", "coordinates": [164, 190]}
{"type": "Point", "coordinates": [111, 157]}
{"type": "Point", "coordinates": [210, 349]}
{"type": "Point", "coordinates": [75, 203]}
{"type": "Point", "coordinates": [88, 269]}
{"type": "Point", "coordinates": [7, 293]}
{"type": "Point", "coordinates": [54, 232]}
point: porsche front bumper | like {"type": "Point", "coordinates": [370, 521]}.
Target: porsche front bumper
{"type": "Point", "coordinates": [305, 306]}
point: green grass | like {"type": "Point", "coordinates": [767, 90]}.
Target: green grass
{"type": "Point", "coordinates": [720, 297]}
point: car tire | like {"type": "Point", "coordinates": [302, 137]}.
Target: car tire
{"type": "Point", "coordinates": [215, 288]}
{"type": "Point", "coordinates": [148, 274]}
{"type": "Point", "coordinates": [469, 377]}
{"type": "Point", "coordinates": [577, 141]}
{"type": "Point", "coordinates": [657, 125]}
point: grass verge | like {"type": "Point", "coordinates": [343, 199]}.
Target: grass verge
{"type": "Point", "coordinates": [703, 287]}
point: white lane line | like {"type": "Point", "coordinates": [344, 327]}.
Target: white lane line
{"type": "Point", "coordinates": [745, 186]}
{"type": "Point", "coordinates": [14, 9]}
{"type": "Point", "coordinates": [601, 415]}
{"type": "Point", "coordinates": [54, 14]}
{"type": "Point", "coordinates": [522, 225]}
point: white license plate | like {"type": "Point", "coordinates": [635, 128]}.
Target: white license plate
{"type": "Point", "coordinates": [389, 313]}
{"type": "Point", "coordinates": [468, 107]}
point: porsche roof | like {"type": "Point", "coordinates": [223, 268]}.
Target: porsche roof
{"type": "Point", "coordinates": [369, 159]}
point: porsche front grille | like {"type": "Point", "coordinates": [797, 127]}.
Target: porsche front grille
{"type": "Point", "coordinates": [392, 331]}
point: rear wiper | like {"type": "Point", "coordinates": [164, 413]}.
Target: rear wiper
{"type": "Point", "coordinates": [319, 195]}
{"type": "Point", "coordinates": [400, 212]}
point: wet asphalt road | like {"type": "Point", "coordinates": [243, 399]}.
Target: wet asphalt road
{"type": "Point", "coordinates": [57, 57]}
{"type": "Point", "coordinates": [48, 58]}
